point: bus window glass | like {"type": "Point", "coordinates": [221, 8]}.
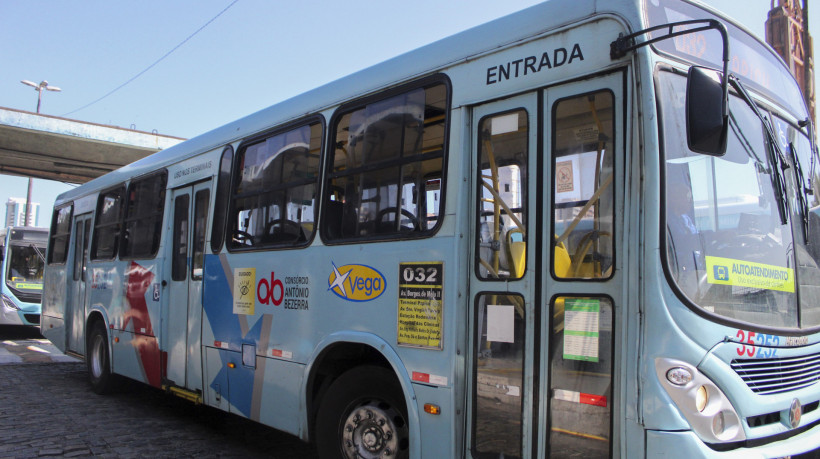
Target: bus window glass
{"type": "Point", "coordinates": [24, 267]}
{"type": "Point", "coordinates": [78, 250]}
{"type": "Point", "coordinates": [726, 247]}
{"type": "Point", "coordinates": [221, 201]}
{"type": "Point", "coordinates": [60, 234]}
{"type": "Point", "coordinates": [499, 376]}
{"type": "Point", "coordinates": [179, 262]}
{"type": "Point", "coordinates": [581, 377]}
{"type": "Point", "coordinates": [583, 166]}
{"type": "Point", "coordinates": [501, 230]}
{"type": "Point", "coordinates": [805, 210]}
{"type": "Point", "coordinates": [143, 217]}
{"type": "Point", "coordinates": [107, 225]}
{"type": "Point", "coordinates": [84, 253]}
{"type": "Point", "coordinates": [387, 154]}
{"type": "Point", "coordinates": [200, 220]}
{"type": "Point", "coordinates": [275, 193]}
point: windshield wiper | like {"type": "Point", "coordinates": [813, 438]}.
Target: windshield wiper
{"type": "Point", "coordinates": [803, 195]}
{"type": "Point", "coordinates": [776, 160]}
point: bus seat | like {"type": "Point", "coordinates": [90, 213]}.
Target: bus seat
{"type": "Point", "coordinates": [516, 253]}
{"type": "Point", "coordinates": [561, 260]}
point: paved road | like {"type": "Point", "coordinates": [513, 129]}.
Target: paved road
{"type": "Point", "coordinates": [47, 409]}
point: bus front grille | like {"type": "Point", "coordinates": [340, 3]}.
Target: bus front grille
{"type": "Point", "coordinates": [773, 376]}
{"type": "Point", "coordinates": [33, 318]}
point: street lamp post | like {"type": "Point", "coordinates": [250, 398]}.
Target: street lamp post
{"type": "Point", "coordinates": [39, 88]}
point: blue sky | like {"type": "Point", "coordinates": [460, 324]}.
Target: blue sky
{"type": "Point", "coordinates": [253, 55]}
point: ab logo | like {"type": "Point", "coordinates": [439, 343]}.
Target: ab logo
{"type": "Point", "coordinates": [270, 292]}
{"type": "Point", "coordinates": [721, 273]}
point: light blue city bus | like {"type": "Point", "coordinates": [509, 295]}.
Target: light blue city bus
{"type": "Point", "coordinates": [586, 229]}
{"type": "Point", "coordinates": [22, 261]}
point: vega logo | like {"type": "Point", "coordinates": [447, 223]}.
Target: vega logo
{"type": "Point", "coordinates": [356, 282]}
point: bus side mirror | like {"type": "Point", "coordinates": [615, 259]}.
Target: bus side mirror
{"type": "Point", "coordinates": [706, 124]}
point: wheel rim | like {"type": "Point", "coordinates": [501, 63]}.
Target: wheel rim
{"type": "Point", "coordinates": [373, 430]}
{"type": "Point", "coordinates": [96, 356]}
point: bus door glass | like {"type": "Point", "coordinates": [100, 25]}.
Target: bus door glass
{"type": "Point", "coordinates": [75, 313]}
{"type": "Point", "coordinates": [183, 305]}
{"type": "Point", "coordinates": [580, 279]}
{"type": "Point", "coordinates": [504, 141]}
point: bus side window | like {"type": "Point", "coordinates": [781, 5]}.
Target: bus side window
{"type": "Point", "coordinates": [107, 224]}
{"type": "Point", "coordinates": [60, 234]}
{"type": "Point", "coordinates": [387, 155]}
{"type": "Point", "coordinates": [583, 166]}
{"type": "Point", "coordinates": [223, 193]}
{"type": "Point", "coordinates": [275, 187]}
{"type": "Point", "coordinates": [143, 217]}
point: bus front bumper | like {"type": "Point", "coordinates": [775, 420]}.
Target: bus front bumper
{"type": "Point", "coordinates": [9, 316]}
{"type": "Point", "coordinates": [687, 444]}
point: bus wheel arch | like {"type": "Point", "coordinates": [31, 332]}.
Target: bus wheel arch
{"type": "Point", "coordinates": [364, 414]}
{"type": "Point", "coordinates": [374, 368]}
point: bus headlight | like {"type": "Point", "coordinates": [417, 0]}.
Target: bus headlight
{"type": "Point", "coordinates": [9, 304]}
{"type": "Point", "coordinates": [700, 401]}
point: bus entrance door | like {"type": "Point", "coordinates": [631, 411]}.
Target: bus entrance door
{"type": "Point", "coordinates": [546, 283]}
{"type": "Point", "coordinates": [182, 307]}
{"type": "Point", "coordinates": [581, 281]}
{"type": "Point", "coordinates": [501, 286]}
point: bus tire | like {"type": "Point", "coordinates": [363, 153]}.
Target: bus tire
{"type": "Point", "coordinates": [98, 361]}
{"type": "Point", "coordinates": [363, 414]}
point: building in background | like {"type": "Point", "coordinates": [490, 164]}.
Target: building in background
{"type": "Point", "coordinates": [787, 31]}
{"type": "Point", "coordinates": [16, 212]}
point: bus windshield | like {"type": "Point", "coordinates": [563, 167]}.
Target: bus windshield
{"type": "Point", "coordinates": [25, 267]}
{"type": "Point", "coordinates": [729, 248]}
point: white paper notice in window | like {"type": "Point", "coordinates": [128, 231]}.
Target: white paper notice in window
{"type": "Point", "coordinates": [501, 324]}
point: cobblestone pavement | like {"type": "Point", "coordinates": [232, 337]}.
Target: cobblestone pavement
{"type": "Point", "coordinates": [47, 409]}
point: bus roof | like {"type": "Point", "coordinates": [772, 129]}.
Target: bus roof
{"type": "Point", "coordinates": [462, 47]}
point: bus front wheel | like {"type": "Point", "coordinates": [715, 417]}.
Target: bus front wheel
{"type": "Point", "coordinates": [97, 359]}
{"type": "Point", "coordinates": [363, 414]}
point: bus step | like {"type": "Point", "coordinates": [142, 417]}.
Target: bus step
{"type": "Point", "coordinates": [191, 396]}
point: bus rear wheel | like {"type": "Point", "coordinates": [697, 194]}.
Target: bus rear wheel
{"type": "Point", "coordinates": [98, 360]}
{"type": "Point", "coordinates": [363, 415]}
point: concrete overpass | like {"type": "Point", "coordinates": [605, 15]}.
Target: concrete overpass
{"type": "Point", "coordinates": [53, 148]}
